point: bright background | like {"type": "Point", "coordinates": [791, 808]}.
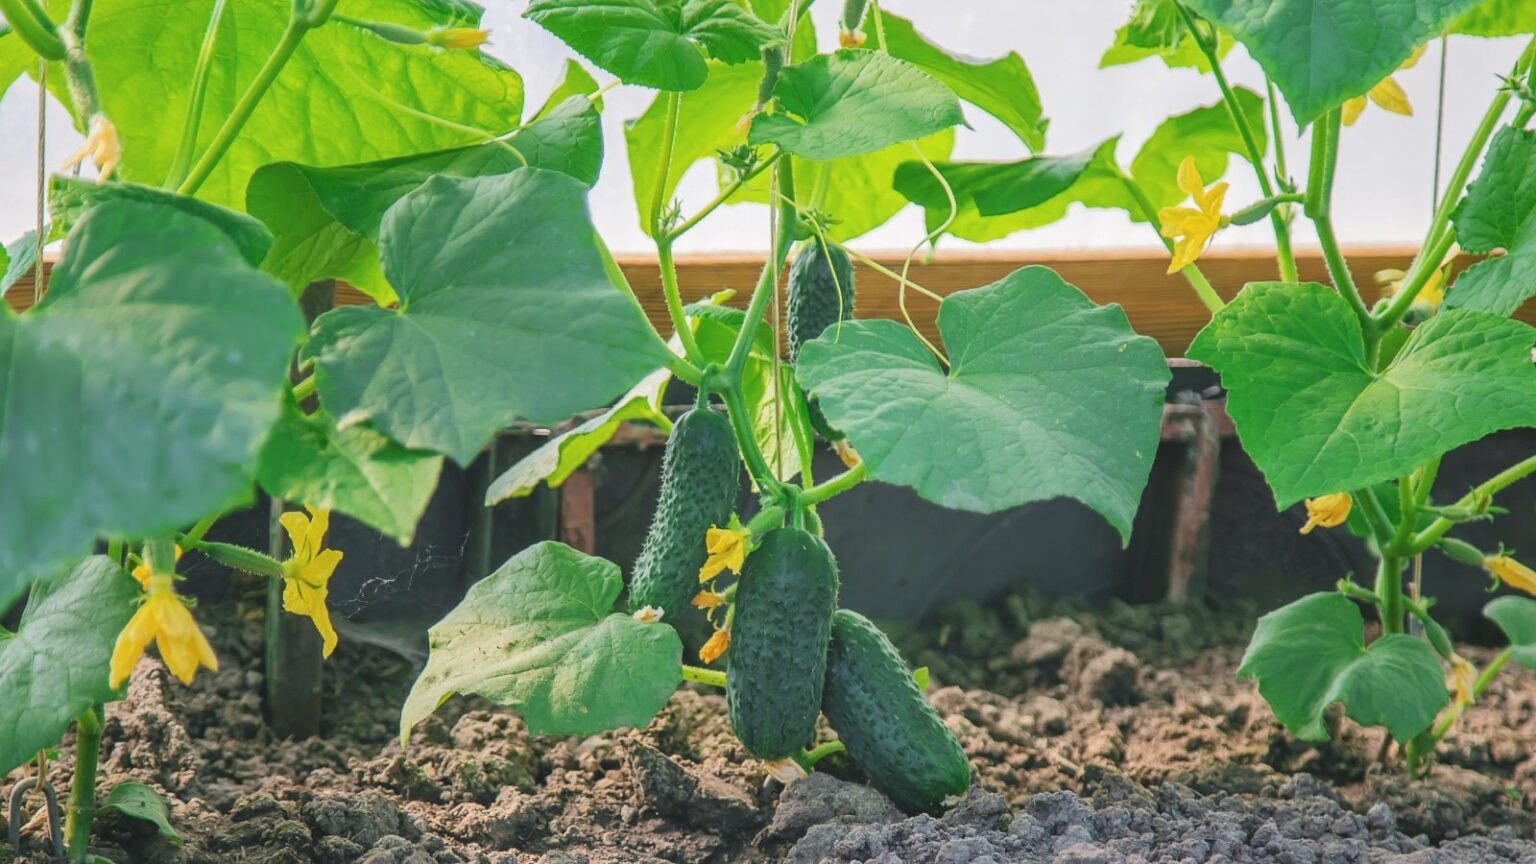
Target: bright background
{"type": "Point", "coordinates": [1384, 194]}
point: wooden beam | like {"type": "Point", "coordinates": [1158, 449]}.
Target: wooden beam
{"type": "Point", "coordinates": [1158, 305]}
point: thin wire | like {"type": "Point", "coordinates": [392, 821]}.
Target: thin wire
{"type": "Point", "coordinates": [42, 178]}
{"type": "Point", "coordinates": [1434, 192]}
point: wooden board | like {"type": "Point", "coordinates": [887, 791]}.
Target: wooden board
{"type": "Point", "coordinates": [1158, 305]}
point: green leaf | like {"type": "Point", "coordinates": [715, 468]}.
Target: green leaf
{"type": "Point", "coordinates": [1156, 29]}
{"type": "Point", "coordinates": [1322, 52]}
{"type": "Point", "coordinates": [661, 45]}
{"type": "Point", "coordinates": [135, 405]}
{"type": "Point", "coordinates": [21, 258]}
{"type": "Point", "coordinates": [854, 102]}
{"type": "Point", "coordinates": [326, 220]}
{"type": "Point", "coordinates": [353, 470]}
{"type": "Point", "coordinates": [57, 662]}
{"type": "Point", "coordinates": [1001, 87]}
{"type": "Point", "coordinates": [1499, 213]}
{"type": "Point", "coordinates": [345, 97]}
{"type": "Point", "coordinates": [506, 312]}
{"type": "Point", "coordinates": [575, 80]}
{"type": "Point", "coordinates": [1317, 419]}
{"type": "Point", "coordinates": [1312, 653]}
{"type": "Point", "coordinates": [1047, 396]}
{"type": "Point", "coordinates": [141, 802]}
{"type": "Point", "coordinates": [1516, 616]}
{"type": "Point", "coordinates": [560, 456]}
{"type": "Point", "coordinates": [1497, 18]}
{"type": "Point", "coordinates": [537, 635]}
{"type": "Point", "coordinates": [69, 198]}
{"type": "Point", "coordinates": [773, 419]}
{"type": "Point", "coordinates": [1208, 134]}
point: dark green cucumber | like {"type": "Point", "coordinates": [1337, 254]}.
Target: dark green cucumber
{"type": "Point", "coordinates": [700, 478]}
{"type": "Point", "coordinates": [778, 656]}
{"type": "Point", "coordinates": [886, 722]}
{"type": "Point", "coordinates": [820, 293]}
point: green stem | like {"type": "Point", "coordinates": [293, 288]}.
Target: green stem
{"type": "Point", "coordinates": [1389, 588]}
{"type": "Point", "coordinates": [821, 751]}
{"type": "Point", "coordinates": [1325, 135]}
{"type": "Point", "coordinates": [1407, 515]}
{"type": "Point", "coordinates": [32, 24]}
{"type": "Point", "coordinates": [1286, 258]}
{"type": "Point", "coordinates": [300, 23]}
{"type": "Point", "coordinates": [768, 280]}
{"type": "Point", "coordinates": [81, 811]}
{"type": "Point", "coordinates": [673, 293]}
{"type": "Point", "coordinates": [698, 674]}
{"type": "Point", "coordinates": [1425, 483]}
{"type": "Point", "coordinates": [1375, 516]}
{"type": "Point", "coordinates": [183, 161]}
{"type": "Point", "coordinates": [724, 196]}
{"type": "Point", "coordinates": [679, 367]}
{"type": "Point", "coordinates": [664, 165]}
{"type": "Point", "coordinates": [1492, 486]}
{"type": "Point", "coordinates": [1192, 274]}
{"type": "Point", "coordinates": [736, 410]}
{"type": "Point", "coordinates": [115, 551]}
{"type": "Point", "coordinates": [836, 486]}
{"type": "Point", "coordinates": [1415, 282]}
{"type": "Point", "coordinates": [304, 389]}
{"type": "Point", "coordinates": [1275, 135]}
{"type": "Point", "coordinates": [193, 537]}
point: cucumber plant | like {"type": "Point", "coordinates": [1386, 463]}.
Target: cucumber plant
{"type": "Point", "coordinates": [167, 372]}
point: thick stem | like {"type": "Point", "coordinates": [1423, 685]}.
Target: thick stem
{"type": "Point", "coordinates": [1389, 588]}
{"type": "Point", "coordinates": [836, 486]}
{"type": "Point", "coordinates": [1492, 486]}
{"type": "Point", "coordinates": [194, 119]}
{"type": "Point", "coordinates": [1375, 516]}
{"type": "Point", "coordinates": [712, 677]}
{"type": "Point", "coordinates": [741, 422]}
{"type": "Point", "coordinates": [1415, 282]}
{"type": "Point", "coordinates": [81, 811]}
{"type": "Point", "coordinates": [32, 25]}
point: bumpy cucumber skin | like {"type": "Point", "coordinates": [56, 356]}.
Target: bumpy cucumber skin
{"type": "Point", "coordinates": [886, 722]}
{"type": "Point", "coordinates": [700, 478]}
{"type": "Point", "coordinates": [816, 299]}
{"type": "Point", "coordinates": [778, 656]}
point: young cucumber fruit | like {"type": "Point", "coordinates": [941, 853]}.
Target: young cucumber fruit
{"type": "Point", "coordinates": [778, 657]}
{"type": "Point", "coordinates": [820, 295]}
{"type": "Point", "coordinates": [700, 478]}
{"type": "Point", "coordinates": [885, 721]}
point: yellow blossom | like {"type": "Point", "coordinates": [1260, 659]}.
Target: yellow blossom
{"type": "Point", "coordinates": [457, 38]}
{"type": "Point", "coordinates": [717, 645]}
{"type": "Point", "coordinates": [307, 573]}
{"type": "Point", "coordinates": [1192, 228]}
{"type": "Point", "coordinates": [1511, 572]}
{"type": "Point", "coordinates": [1388, 94]}
{"type": "Point", "coordinates": [1463, 678]}
{"type": "Point", "coordinates": [101, 147]}
{"type": "Point", "coordinates": [727, 551]}
{"type": "Point", "coordinates": [647, 614]}
{"type": "Point", "coordinates": [850, 38]}
{"type": "Point", "coordinates": [708, 599]}
{"type": "Point", "coordinates": [1329, 511]}
{"type": "Point", "coordinates": [162, 618]}
{"type": "Point", "coordinates": [142, 571]}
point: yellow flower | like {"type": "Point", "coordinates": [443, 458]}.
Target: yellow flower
{"type": "Point", "coordinates": [717, 645]}
{"type": "Point", "coordinates": [142, 572]}
{"type": "Point", "coordinates": [163, 618]}
{"type": "Point", "coordinates": [101, 146]}
{"type": "Point", "coordinates": [307, 574]}
{"type": "Point", "coordinates": [1433, 292]}
{"type": "Point", "coordinates": [1192, 227]}
{"type": "Point", "coordinates": [727, 551]}
{"type": "Point", "coordinates": [1463, 677]}
{"type": "Point", "coordinates": [1329, 511]}
{"type": "Point", "coordinates": [647, 614]}
{"type": "Point", "coordinates": [1388, 94]}
{"type": "Point", "coordinates": [708, 599]}
{"type": "Point", "coordinates": [1511, 572]}
{"type": "Point", "coordinates": [457, 38]}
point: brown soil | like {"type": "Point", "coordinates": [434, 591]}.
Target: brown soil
{"type": "Point", "coordinates": [1042, 699]}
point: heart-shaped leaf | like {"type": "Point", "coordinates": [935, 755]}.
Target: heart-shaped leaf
{"type": "Point", "coordinates": [1315, 416]}
{"type": "Point", "coordinates": [56, 664]}
{"type": "Point", "coordinates": [1047, 395]}
{"type": "Point", "coordinates": [135, 405]}
{"type": "Point", "coordinates": [506, 312]}
{"type": "Point", "coordinates": [1312, 653]}
{"type": "Point", "coordinates": [854, 102]}
{"type": "Point", "coordinates": [537, 635]}
{"type": "Point", "coordinates": [1499, 212]}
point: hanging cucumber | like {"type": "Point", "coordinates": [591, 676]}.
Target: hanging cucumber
{"type": "Point", "coordinates": [700, 478]}
{"type": "Point", "coordinates": [784, 605]}
{"type": "Point", "coordinates": [820, 294]}
{"type": "Point", "coordinates": [886, 722]}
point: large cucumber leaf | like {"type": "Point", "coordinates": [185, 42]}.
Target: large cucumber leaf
{"type": "Point", "coordinates": [1322, 52]}
{"type": "Point", "coordinates": [506, 312]}
{"type": "Point", "coordinates": [326, 220]}
{"type": "Point", "coordinates": [1499, 213]}
{"type": "Point", "coordinates": [134, 404]}
{"type": "Point", "coordinates": [346, 96]}
{"type": "Point", "coordinates": [538, 635]}
{"type": "Point", "coordinates": [70, 197]}
{"type": "Point", "coordinates": [1046, 396]}
{"type": "Point", "coordinates": [57, 662]}
{"type": "Point", "coordinates": [1315, 416]}
{"type": "Point", "coordinates": [1312, 653]}
{"type": "Point", "coordinates": [1497, 18]}
{"type": "Point", "coordinates": [656, 44]}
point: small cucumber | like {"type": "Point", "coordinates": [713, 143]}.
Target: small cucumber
{"type": "Point", "coordinates": [820, 293]}
{"type": "Point", "coordinates": [778, 656]}
{"type": "Point", "coordinates": [700, 478]}
{"type": "Point", "coordinates": [890, 729]}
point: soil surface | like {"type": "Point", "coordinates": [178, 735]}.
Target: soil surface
{"type": "Point", "coordinates": [1112, 737]}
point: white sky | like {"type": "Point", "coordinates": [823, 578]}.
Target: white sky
{"type": "Point", "coordinates": [1383, 193]}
